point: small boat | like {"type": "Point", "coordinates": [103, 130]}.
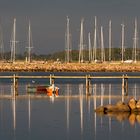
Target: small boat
{"type": "Point", "coordinates": [49, 90]}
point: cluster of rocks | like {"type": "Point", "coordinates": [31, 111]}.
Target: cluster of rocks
{"type": "Point", "coordinates": [131, 106]}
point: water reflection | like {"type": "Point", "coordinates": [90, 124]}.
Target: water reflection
{"type": "Point", "coordinates": [102, 94]}
{"type": "Point", "coordinates": [68, 93]}
{"type": "Point", "coordinates": [135, 91]}
{"type": "Point", "coordinates": [94, 91]}
{"type": "Point", "coordinates": [133, 118]}
{"type": "Point", "coordinates": [81, 105]}
{"type": "Point", "coordinates": [29, 112]}
{"type": "Point", "coordinates": [14, 113]}
{"type": "Point", "coordinates": [110, 93]}
{"type": "Point", "coordinates": [69, 120]}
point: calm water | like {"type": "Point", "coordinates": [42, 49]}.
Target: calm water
{"type": "Point", "coordinates": [70, 116]}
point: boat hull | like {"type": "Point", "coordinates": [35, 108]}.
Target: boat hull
{"type": "Point", "coordinates": [47, 90]}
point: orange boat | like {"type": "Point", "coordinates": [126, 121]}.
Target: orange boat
{"type": "Point", "coordinates": [49, 90]}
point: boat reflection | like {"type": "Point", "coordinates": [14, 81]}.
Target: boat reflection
{"type": "Point", "coordinates": [132, 118]}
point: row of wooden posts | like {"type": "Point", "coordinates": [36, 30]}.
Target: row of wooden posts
{"type": "Point", "coordinates": [87, 77]}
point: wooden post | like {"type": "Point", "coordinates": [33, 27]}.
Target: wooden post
{"type": "Point", "coordinates": [126, 85]}
{"type": "Point", "coordinates": [123, 81]}
{"type": "Point", "coordinates": [50, 79]}
{"type": "Point", "coordinates": [88, 84]}
{"type": "Point", "coordinates": [15, 86]}
{"type": "Point", "coordinates": [53, 79]}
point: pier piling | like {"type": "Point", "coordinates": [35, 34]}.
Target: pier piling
{"type": "Point", "coordinates": [124, 86]}
{"type": "Point", "coordinates": [88, 84]}
{"type": "Point", "coordinates": [15, 86]}
{"type": "Point", "coordinates": [51, 79]}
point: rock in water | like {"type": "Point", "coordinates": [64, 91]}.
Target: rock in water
{"type": "Point", "coordinates": [138, 104]}
{"type": "Point", "coordinates": [100, 109]}
{"type": "Point", "coordinates": [132, 104]}
{"type": "Point", "coordinates": [111, 108]}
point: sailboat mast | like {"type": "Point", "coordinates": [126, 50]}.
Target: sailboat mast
{"type": "Point", "coordinates": [89, 43]}
{"type": "Point", "coordinates": [1, 44]}
{"type": "Point", "coordinates": [122, 42]}
{"type": "Point", "coordinates": [81, 57]}
{"type": "Point", "coordinates": [29, 43]}
{"type": "Point", "coordinates": [67, 42]}
{"type": "Point", "coordinates": [110, 43]}
{"type": "Point", "coordinates": [102, 46]}
{"type": "Point", "coordinates": [95, 40]}
{"type": "Point", "coordinates": [13, 42]}
{"type": "Point", "coordinates": [135, 42]}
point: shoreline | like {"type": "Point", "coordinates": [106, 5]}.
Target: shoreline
{"type": "Point", "coordinates": [40, 66]}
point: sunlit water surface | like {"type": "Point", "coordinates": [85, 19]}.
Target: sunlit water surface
{"type": "Point", "coordinates": [70, 116]}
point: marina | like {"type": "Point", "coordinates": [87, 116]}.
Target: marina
{"type": "Point", "coordinates": [69, 70]}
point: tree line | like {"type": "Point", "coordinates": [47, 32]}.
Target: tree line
{"type": "Point", "coordinates": [115, 55]}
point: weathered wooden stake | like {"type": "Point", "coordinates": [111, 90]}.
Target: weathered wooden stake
{"type": "Point", "coordinates": [126, 85]}
{"type": "Point", "coordinates": [123, 88]}
{"type": "Point", "coordinates": [15, 86]}
{"type": "Point", "coordinates": [88, 84]}
{"type": "Point", "coordinates": [51, 79]}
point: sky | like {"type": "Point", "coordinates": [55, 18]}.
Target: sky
{"type": "Point", "coordinates": [48, 21]}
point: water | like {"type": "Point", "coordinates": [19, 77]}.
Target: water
{"type": "Point", "coordinates": [70, 116]}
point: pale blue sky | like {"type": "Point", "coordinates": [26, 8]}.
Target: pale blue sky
{"type": "Point", "coordinates": [48, 19]}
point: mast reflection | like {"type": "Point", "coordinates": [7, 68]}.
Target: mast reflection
{"type": "Point", "coordinates": [13, 107]}
{"type": "Point", "coordinates": [135, 91]}
{"type": "Point", "coordinates": [95, 121]}
{"type": "Point", "coordinates": [14, 113]}
{"type": "Point", "coordinates": [102, 94]}
{"type": "Point", "coordinates": [29, 112]}
{"type": "Point", "coordinates": [81, 89]}
{"type": "Point", "coordinates": [68, 89]}
{"type": "Point", "coordinates": [110, 86]}
{"type": "Point", "coordinates": [94, 92]}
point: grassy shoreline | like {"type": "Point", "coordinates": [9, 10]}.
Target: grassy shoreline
{"type": "Point", "coordinates": [69, 67]}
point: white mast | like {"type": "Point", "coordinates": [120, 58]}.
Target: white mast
{"type": "Point", "coordinates": [110, 42]}
{"type": "Point", "coordinates": [13, 42]}
{"type": "Point", "coordinates": [102, 46]}
{"type": "Point", "coordinates": [122, 43]}
{"type": "Point", "coordinates": [81, 50]}
{"type": "Point", "coordinates": [68, 42]}
{"type": "Point", "coordinates": [95, 40]}
{"type": "Point", "coordinates": [89, 44]}
{"type": "Point", "coordinates": [1, 44]}
{"type": "Point", "coordinates": [30, 43]}
{"type": "Point", "coordinates": [135, 42]}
